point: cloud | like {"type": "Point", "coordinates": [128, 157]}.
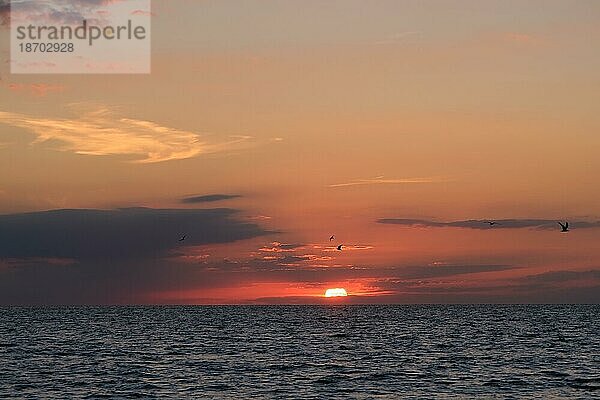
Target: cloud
{"type": "Point", "coordinates": [426, 278]}
{"type": "Point", "coordinates": [133, 256]}
{"type": "Point", "coordinates": [291, 300]}
{"type": "Point", "coordinates": [102, 133]}
{"type": "Point", "coordinates": [398, 37]}
{"type": "Point", "coordinates": [381, 181]}
{"type": "Point", "coordinates": [143, 13]}
{"type": "Point", "coordinates": [259, 217]}
{"type": "Point", "coordinates": [345, 247]}
{"type": "Point", "coordinates": [422, 272]}
{"type": "Point", "coordinates": [546, 224]}
{"type": "Point", "coordinates": [65, 12]}
{"type": "Point", "coordinates": [564, 276]}
{"type": "Point", "coordinates": [547, 287]}
{"type": "Point", "coordinates": [121, 234]}
{"type": "Point", "coordinates": [209, 198]}
{"type": "Point", "coordinates": [113, 256]}
{"type": "Point", "coordinates": [277, 247]}
{"type": "Point", "coordinates": [20, 262]}
{"type": "Point", "coordinates": [309, 264]}
{"type": "Point", "coordinates": [4, 12]}
{"type": "Point", "coordinates": [522, 38]}
{"type": "Point", "coordinates": [36, 89]}
{"type": "Point", "coordinates": [449, 285]}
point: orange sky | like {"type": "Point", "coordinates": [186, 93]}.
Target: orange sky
{"type": "Point", "coordinates": [323, 118]}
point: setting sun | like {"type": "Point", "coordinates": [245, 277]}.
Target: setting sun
{"type": "Point", "coordinates": [336, 292]}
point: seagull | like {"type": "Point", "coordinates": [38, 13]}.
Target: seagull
{"type": "Point", "coordinates": [331, 238]}
{"type": "Point", "coordinates": [491, 223]}
{"type": "Point", "coordinates": [565, 227]}
{"type": "Point", "coordinates": [181, 239]}
{"type": "Point", "coordinates": [339, 247]}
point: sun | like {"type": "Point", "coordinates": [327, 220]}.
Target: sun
{"type": "Point", "coordinates": [336, 292]}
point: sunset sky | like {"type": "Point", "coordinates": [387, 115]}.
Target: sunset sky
{"type": "Point", "coordinates": [265, 127]}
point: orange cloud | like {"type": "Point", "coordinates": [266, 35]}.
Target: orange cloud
{"type": "Point", "coordinates": [101, 133]}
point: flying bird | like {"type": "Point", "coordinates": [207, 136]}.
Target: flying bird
{"type": "Point", "coordinates": [331, 238]}
{"type": "Point", "coordinates": [181, 239]}
{"type": "Point", "coordinates": [491, 223]}
{"type": "Point", "coordinates": [339, 247]}
{"type": "Point", "coordinates": [564, 227]}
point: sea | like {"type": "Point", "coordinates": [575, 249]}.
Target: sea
{"type": "Point", "coordinates": [301, 352]}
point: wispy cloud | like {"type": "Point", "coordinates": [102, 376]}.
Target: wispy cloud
{"type": "Point", "coordinates": [398, 37]}
{"type": "Point", "coordinates": [100, 132]}
{"type": "Point", "coordinates": [277, 247]}
{"type": "Point", "coordinates": [258, 217]}
{"type": "Point", "coordinates": [380, 180]}
{"type": "Point", "coordinates": [522, 38]}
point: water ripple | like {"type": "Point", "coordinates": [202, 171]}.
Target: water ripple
{"type": "Point", "coordinates": [301, 352]}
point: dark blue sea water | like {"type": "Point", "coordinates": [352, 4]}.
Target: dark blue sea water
{"type": "Point", "coordinates": [301, 352]}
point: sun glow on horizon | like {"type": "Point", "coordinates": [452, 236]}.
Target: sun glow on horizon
{"type": "Point", "coordinates": [336, 292]}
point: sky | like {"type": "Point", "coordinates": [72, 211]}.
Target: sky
{"type": "Point", "coordinates": [265, 127]}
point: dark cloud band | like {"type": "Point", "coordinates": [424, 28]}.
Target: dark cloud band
{"type": "Point", "coordinates": [209, 198]}
{"type": "Point", "coordinates": [546, 224]}
{"type": "Point", "coordinates": [117, 234]}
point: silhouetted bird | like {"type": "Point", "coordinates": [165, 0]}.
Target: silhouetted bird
{"type": "Point", "coordinates": [331, 238]}
{"type": "Point", "coordinates": [181, 239]}
{"type": "Point", "coordinates": [339, 247]}
{"type": "Point", "coordinates": [565, 227]}
{"type": "Point", "coordinates": [491, 223]}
